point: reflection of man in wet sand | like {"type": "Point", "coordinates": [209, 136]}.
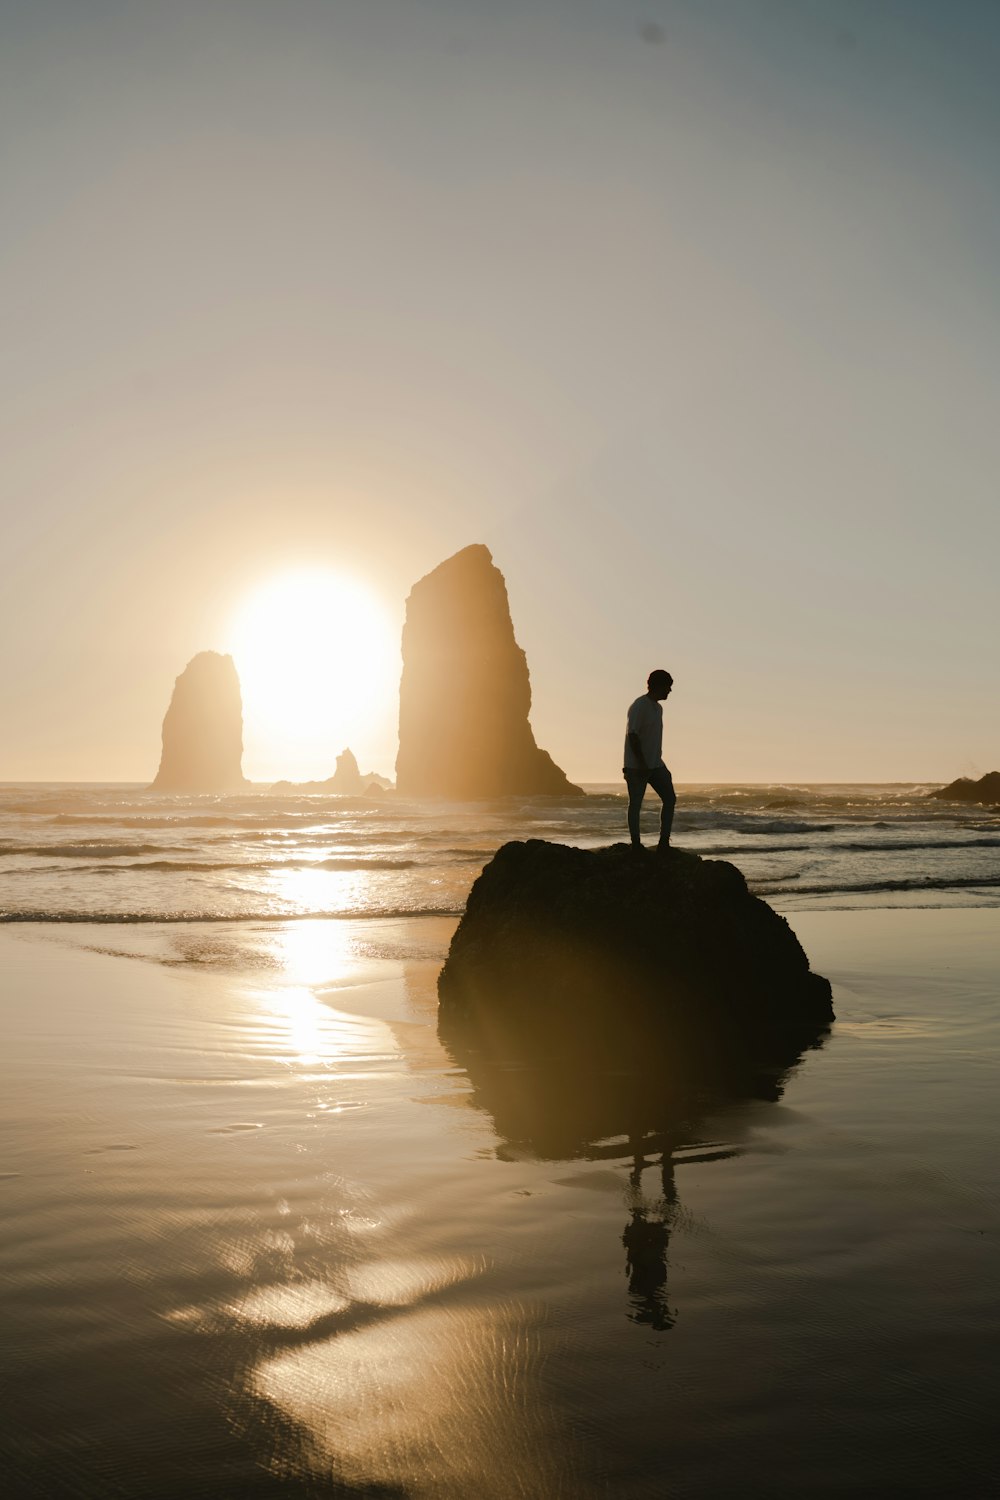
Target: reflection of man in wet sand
{"type": "Point", "coordinates": [644, 758]}
{"type": "Point", "coordinates": [647, 1240]}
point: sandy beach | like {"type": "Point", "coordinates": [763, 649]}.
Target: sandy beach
{"type": "Point", "coordinates": [262, 1236]}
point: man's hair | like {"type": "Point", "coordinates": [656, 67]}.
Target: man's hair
{"type": "Point", "coordinates": [659, 676]}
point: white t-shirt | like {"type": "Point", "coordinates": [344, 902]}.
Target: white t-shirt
{"type": "Point", "coordinates": [645, 719]}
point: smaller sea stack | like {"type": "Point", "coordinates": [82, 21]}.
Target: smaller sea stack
{"type": "Point", "coordinates": [346, 781]}
{"type": "Point", "coordinates": [985, 791]}
{"type": "Point", "coordinates": [203, 729]}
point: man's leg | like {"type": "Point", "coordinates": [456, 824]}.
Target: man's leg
{"type": "Point", "coordinates": [663, 784]}
{"type": "Point", "coordinates": [636, 783]}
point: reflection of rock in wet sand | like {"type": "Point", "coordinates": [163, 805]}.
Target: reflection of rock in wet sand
{"type": "Point", "coordinates": [650, 1113]}
{"type": "Point", "coordinates": [602, 1002]}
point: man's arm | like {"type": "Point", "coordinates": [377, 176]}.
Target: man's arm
{"type": "Point", "coordinates": [636, 749]}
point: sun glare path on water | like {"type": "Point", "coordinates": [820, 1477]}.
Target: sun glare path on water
{"type": "Point", "coordinates": [318, 662]}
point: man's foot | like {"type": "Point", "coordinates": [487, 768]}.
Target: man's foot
{"type": "Point", "coordinates": [664, 848]}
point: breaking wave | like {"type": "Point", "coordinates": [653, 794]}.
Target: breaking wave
{"type": "Point", "coordinates": [128, 918]}
{"type": "Point", "coordinates": [872, 887]}
{"type": "Point", "coordinates": [857, 846]}
{"type": "Point", "coordinates": [180, 865]}
{"type": "Point", "coordinates": [91, 851]}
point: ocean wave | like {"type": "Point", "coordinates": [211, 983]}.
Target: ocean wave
{"type": "Point", "coordinates": [203, 820]}
{"type": "Point", "coordinates": [188, 865]}
{"type": "Point", "coordinates": [90, 851]}
{"type": "Point", "coordinates": [782, 826]}
{"type": "Point", "coordinates": [751, 820]}
{"type": "Point", "coordinates": [747, 825]}
{"type": "Point", "coordinates": [309, 838]}
{"type": "Point", "coordinates": [873, 887]}
{"type": "Point", "coordinates": [107, 918]}
{"type": "Point", "coordinates": [915, 844]}
{"type": "Point", "coordinates": [856, 846]}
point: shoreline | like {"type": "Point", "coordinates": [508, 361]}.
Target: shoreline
{"type": "Point", "coordinates": [399, 929]}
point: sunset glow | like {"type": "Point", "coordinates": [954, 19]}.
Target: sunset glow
{"type": "Point", "coordinates": [318, 663]}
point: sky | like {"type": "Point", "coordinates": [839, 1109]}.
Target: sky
{"type": "Point", "coordinates": [689, 310]}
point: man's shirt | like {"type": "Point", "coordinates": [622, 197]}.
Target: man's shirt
{"type": "Point", "coordinates": [645, 719]}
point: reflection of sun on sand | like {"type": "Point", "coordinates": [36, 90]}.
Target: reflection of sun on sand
{"type": "Point", "coordinates": [298, 1305]}
{"type": "Point", "coordinates": [439, 1399]}
{"type": "Point", "coordinates": [316, 952]}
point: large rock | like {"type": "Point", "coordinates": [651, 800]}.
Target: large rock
{"type": "Point", "coordinates": [618, 952]}
{"type": "Point", "coordinates": [985, 791]}
{"type": "Point", "coordinates": [465, 693]}
{"type": "Point", "coordinates": [203, 729]}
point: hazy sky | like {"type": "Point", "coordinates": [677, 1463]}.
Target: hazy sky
{"type": "Point", "coordinates": [688, 310]}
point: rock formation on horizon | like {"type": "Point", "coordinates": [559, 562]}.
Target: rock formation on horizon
{"type": "Point", "coordinates": [614, 951]}
{"type": "Point", "coordinates": [465, 693]}
{"type": "Point", "coordinates": [985, 791]}
{"type": "Point", "coordinates": [346, 781]}
{"type": "Point", "coordinates": [203, 729]}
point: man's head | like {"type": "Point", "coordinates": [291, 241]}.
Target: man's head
{"type": "Point", "coordinates": [659, 683]}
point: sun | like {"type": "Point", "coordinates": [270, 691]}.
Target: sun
{"type": "Point", "coordinates": [319, 665]}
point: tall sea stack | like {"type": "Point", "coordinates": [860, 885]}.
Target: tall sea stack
{"type": "Point", "coordinates": [465, 693]}
{"type": "Point", "coordinates": [203, 729]}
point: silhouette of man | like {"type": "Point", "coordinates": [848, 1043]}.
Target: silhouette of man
{"type": "Point", "coordinates": [647, 1241]}
{"type": "Point", "coordinates": [644, 758]}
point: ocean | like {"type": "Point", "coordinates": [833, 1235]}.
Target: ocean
{"type": "Point", "coordinates": [266, 1237]}
{"type": "Point", "coordinates": [120, 854]}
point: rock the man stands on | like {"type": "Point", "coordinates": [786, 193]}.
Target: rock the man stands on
{"type": "Point", "coordinates": [644, 758]}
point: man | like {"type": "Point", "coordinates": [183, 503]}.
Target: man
{"type": "Point", "coordinates": [644, 757]}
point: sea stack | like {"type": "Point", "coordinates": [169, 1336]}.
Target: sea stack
{"type": "Point", "coordinates": [465, 693]}
{"type": "Point", "coordinates": [346, 781]}
{"type": "Point", "coordinates": [203, 729]}
{"type": "Point", "coordinates": [985, 791]}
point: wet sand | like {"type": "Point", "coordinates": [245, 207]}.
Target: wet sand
{"type": "Point", "coordinates": [262, 1237]}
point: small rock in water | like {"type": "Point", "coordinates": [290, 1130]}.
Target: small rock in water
{"type": "Point", "coordinates": [985, 791]}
